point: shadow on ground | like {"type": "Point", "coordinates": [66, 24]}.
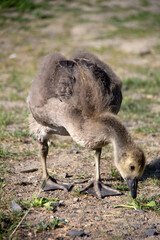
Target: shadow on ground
{"type": "Point", "coordinates": [152, 170]}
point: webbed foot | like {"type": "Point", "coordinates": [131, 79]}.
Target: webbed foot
{"type": "Point", "coordinates": [53, 184]}
{"type": "Point", "coordinates": [100, 190]}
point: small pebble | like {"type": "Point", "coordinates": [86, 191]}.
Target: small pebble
{"type": "Point", "coordinates": [16, 206]}
{"type": "Point", "coordinates": [63, 175]}
{"type": "Point", "coordinates": [75, 199]}
{"type": "Point", "coordinates": [151, 232]}
{"type": "Point", "coordinates": [136, 227]}
{"type": "Point", "coordinates": [153, 226]}
{"type": "Point", "coordinates": [12, 56]}
{"type": "Point", "coordinates": [74, 233]}
{"type": "Point", "coordinates": [76, 151]}
{"type": "Point", "coordinates": [87, 212]}
{"type": "Point", "coordinates": [31, 177]}
{"type": "Point", "coordinates": [87, 232]}
{"type": "Point", "coordinates": [64, 220]}
{"type": "Point", "coordinates": [57, 204]}
{"type": "Point", "coordinates": [97, 218]}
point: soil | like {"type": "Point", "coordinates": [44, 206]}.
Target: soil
{"type": "Point", "coordinates": [98, 219]}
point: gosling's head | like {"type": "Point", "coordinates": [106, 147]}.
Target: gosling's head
{"type": "Point", "coordinates": [131, 165]}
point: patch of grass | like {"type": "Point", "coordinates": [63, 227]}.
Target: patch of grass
{"type": "Point", "coordinates": [76, 192]}
{"type": "Point", "coordinates": [157, 48]}
{"type": "Point", "coordinates": [15, 10]}
{"type": "Point", "coordinates": [47, 203]}
{"type": "Point", "coordinates": [152, 19]}
{"type": "Point", "coordinates": [116, 237]}
{"type": "Point", "coordinates": [145, 203]}
{"type": "Point", "coordinates": [8, 221]}
{"type": "Point", "coordinates": [43, 15]}
{"type": "Point", "coordinates": [147, 24]}
{"type": "Point", "coordinates": [76, 146]}
{"type": "Point", "coordinates": [89, 157]}
{"type": "Point", "coordinates": [134, 83]}
{"type": "Point", "coordinates": [21, 6]}
{"type": "Point", "coordinates": [139, 16]}
{"type": "Point", "coordinates": [155, 181]}
{"type": "Point", "coordinates": [129, 33]}
{"type": "Point", "coordinates": [83, 175]}
{"type": "Point", "coordinates": [4, 166]}
{"type": "Point", "coordinates": [140, 109]}
{"type": "Point", "coordinates": [147, 85]}
{"type": "Point", "coordinates": [122, 187]}
{"type": "Point", "coordinates": [142, 17]}
{"type": "Point", "coordinates": [19, 135]}
{"type": "Point", "coordinates": [137, 109]}
{"type": "Point", "coordinates": [2, 183]}
{"type": "Point", "coordinates": [64, 37]}
{"type": "Point", "coordinates": [18, 154]}
{"type": "Point", "coordinates": [41, 227]}
{"type": "Point", "coordinates": [61, 145]}
{"type": "Point", "coordinates": [144, 3]}
{"type": "Point", "coordinates": [114, 172]}
{"type": "Point", "coordinates": [62, 8]}
{"type": "Point", "coordinates": [55, 223]}
{"type": "Point", "coordinates": [157, 119]}
{"type": "Point", "coordinates": [16, 81]}
{"type": "Point", "coordinates": [6, 117]}
{"type": "Point", "coordinates": [26, 153]}
{"type": "Point", "coordinates": [14, 97]}
{"type": "Point", "coordinates": [84, 20]}
{"type": "Point", "coordinates": [146, 130]}
{"type": "Point", "coordinates": [5, 153]}
{"type": "Point", "coordinates": [3, 133]}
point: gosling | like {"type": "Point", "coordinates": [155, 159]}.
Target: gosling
{"type": "Point", "coordinates": [80, 98]}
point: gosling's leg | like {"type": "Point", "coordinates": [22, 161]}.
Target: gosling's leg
{"type": "Point", "coordinates": [96, 187]}
{"type": "Point", "coordinates": [50, 183]}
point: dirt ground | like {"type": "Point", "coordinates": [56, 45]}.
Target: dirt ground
{"type": "Point", "coordinates": [131, 48]}
{"type": "Point", "coordinates": [97, 218]}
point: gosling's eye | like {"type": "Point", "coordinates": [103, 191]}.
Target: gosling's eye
{"type": "Point", "coordinates": [132, 167]}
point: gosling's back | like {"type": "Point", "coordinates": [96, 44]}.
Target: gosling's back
{"type": "Point", "coordinates": [84, 83]}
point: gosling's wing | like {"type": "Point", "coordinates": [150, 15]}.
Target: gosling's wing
{"type": "Point", "coordinates": [83, 54]}
{"type": "Point", "coordinates": [81, 83]}
{"type": "Point", "coordinates": [43, 86]}
{"type": "Point", "coordinates": [110, 85]}
{"type": "Point", "coordinates": [51, 93]}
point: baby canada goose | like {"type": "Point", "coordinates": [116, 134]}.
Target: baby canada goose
{"type": "Point", "coordinates": [80, 97]}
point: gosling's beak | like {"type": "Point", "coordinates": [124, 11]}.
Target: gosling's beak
{"type": "Point", "coordinates": [132, 184]}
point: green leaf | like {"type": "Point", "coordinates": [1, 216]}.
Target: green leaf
{"type": "Point", "coordinates": [150, 204]}
{"type": "Point", "coordinates": [48, 206]}
{"type": "Point", "coordinates": [125, 206]}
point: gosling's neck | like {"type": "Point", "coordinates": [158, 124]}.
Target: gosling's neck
{"type": "Point", "coordinates": [117, 134]}
{"type": "Point", "coordinates": [99, 131]}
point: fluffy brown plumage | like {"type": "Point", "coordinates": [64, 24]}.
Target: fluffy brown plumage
{"type": "Point", "coordinates": [85, 83]}
{"type": "Point", "coordinates": [80, 97]}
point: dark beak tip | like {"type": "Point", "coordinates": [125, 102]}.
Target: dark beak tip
{"type": "Point", "coordinates": [132, 184]}
{"type": "Point", "coordinates": [134, 195]}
